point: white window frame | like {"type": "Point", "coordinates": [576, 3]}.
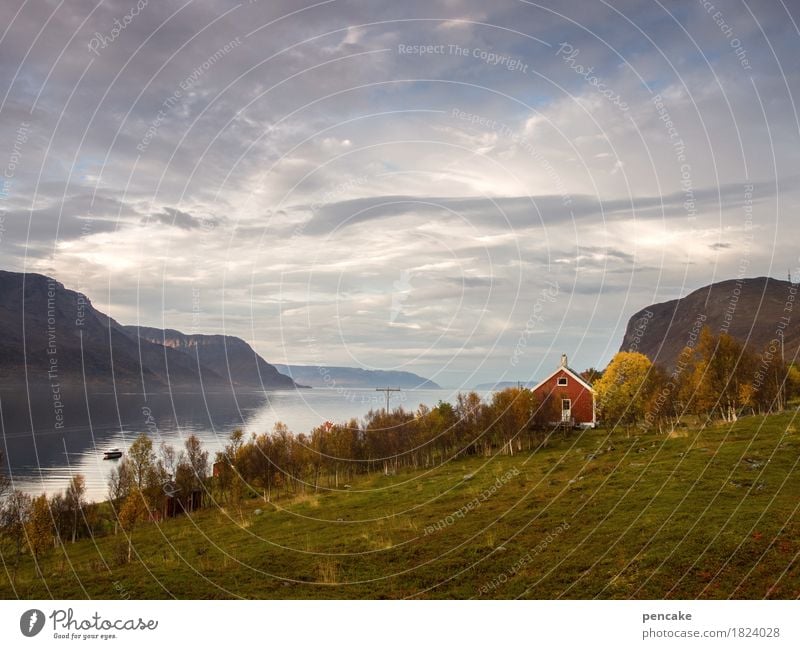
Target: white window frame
{"type": "Point", "coordinates": [566, 413]}
{"type": "Point", "coordinates": [562, 381]}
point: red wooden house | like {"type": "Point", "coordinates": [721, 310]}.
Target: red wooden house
{"type": "Point", "coordinates": [569, 395]}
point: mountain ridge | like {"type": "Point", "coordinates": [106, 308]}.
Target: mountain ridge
{"type": "Point", "coordinates": [755, 311]}
{"type": "Point", "coordinates": [52, 336]}
{"type": "Point", "coordinates": [228, 356]}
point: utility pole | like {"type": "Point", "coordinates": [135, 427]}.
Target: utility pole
{"type": "Point", "coordinates": [387, 390]}
{"type": "Point", "coordinates": [782, 386]}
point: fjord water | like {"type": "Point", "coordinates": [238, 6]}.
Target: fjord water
{"type": "Point", "coordinates": [47, 440]}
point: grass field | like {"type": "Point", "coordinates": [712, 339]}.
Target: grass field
{"type": "Point", "coordinates": [707, 513]}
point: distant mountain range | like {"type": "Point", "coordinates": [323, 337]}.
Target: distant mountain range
{"type": "Point", "coordinates": [50, 335]}
{"type": "Point", "coordinates": [318, 376]}
{"type": "Point", "coordinates": [750, 310]}
{"type": "Point", "coordinates": [503, 385]}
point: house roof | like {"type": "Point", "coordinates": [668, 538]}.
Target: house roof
{"type": "Point", "coordinates": [568, 370]}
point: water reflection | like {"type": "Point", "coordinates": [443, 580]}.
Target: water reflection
{"type": "Point", "coordinates": [46, 441]}
{"type": "Point", "coordinates": [44, 447]}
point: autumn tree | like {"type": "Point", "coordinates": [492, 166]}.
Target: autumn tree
{"type": "Point", "coordinates": [344, 449]}
{"type": "Point", "coordinates": [167, 460]}
{"type": "Point", "coordinates": [14, 516]}
{"type": "Point", "coordinates": [661, 405]}
{"type": "Point", "coordinates": [60, 517]}
{"type": "Point", "coordinates": [5, 483]}
{"type": "Point", "coordinates": [548, 410]}
{"type": "Point", "coordinates": [197, 459]}
{"type": "Point", "coordinates": [511, 412]}
{"type": "Point", "coordinates": [792, 380]}
{"type": "Point", "coordinates": [120, 482]}
{"type": "Point", "coordinates": [440, 431]}
{"type": "Point", "coordinates": [624, 389]}
{"type": "Point", "coordinates": [591, 375]}
{"type": "Point", "coordinates": [142, 461]}
{"type": "Point", "coordinates": [133, 511]}
{"type": "Point", "coordinates": [148, 472]}
{"type": "Point", "coordinates": [774, 381]}
{"type": "Point", "coordinates": [469, 411]}
{"type": "Point", "coordinates": [715, 382]}
{"type": "Point", "coordinates": [39, 530]}
{"type": "Point", "coordinates": [231, 462]}
{"type": "Point", "coordinates": [75, 501]}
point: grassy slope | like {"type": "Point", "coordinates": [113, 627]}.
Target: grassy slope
{"type": "Point", "coordinates": [711, 514]}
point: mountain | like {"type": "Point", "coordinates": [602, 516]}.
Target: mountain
{"type": "Point", "coordinates": [321, 376]}
{"type": "Point", "coordinates": [750, 310]}
{"type": "Point", "coordinates": [53, 337]}
{"type": "Point", "coordinates": [218, 355]}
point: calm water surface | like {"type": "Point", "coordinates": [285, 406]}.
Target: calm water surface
{"type": "Point", "coordinates": [46, 442]}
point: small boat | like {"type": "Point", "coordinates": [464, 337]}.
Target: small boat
{"type": "Point", "coordinates": [112, 454]}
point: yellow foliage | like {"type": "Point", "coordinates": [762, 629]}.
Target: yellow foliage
{"type": "Point", "coordinates": [623, 391]}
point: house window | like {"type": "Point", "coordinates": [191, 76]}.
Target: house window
{"type": "Point", "coordinates": [566, 405]}
{"type": "Point", "coordinates": [562, 380]}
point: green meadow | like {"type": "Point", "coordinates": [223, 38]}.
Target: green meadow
{"type": "Point", "coordinates": [702, 513]}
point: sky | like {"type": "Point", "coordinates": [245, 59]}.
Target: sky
{"type": "Point", "coordinates": [461, 189]}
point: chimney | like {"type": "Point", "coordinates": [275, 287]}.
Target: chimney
{"type": "Point", "coordinates": [563, 360]}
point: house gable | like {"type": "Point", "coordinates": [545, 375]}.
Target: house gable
{"type": "Point", "coordinates": [566, 384]}
{"type": "Point", "coordinates": [569, 373]}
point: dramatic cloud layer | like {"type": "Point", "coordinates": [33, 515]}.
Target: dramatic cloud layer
{"type": "Point", "coordinates": [436, 186]}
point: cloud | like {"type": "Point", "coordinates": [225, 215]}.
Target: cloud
{"type": "Point", "coordinates": [520, 212]}
{"type": "Point", "coordinates": [308, 167]}
{"type": "Point", "coordinates": [183, 220]}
